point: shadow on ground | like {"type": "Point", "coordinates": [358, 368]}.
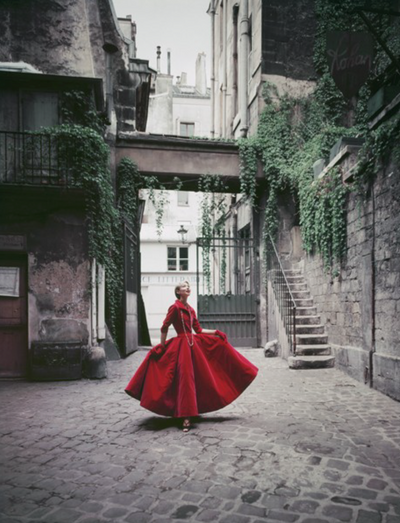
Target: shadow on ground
{"type": "Point", "coordinates": [154, 424]}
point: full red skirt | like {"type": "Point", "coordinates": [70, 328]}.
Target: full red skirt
{"type": "Point", "coordinates": [184, 381]}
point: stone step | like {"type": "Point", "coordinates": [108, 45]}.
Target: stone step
{"type": "Point", "coordinates": [311, 339]}
{"type": "Point", "coordinates": [293, 272]}
{"type": "Point", "coordinates": [301, 295]}
{"type": "Point", "coordinates": [311, 362]}
{"type": "Point", "coordinates": [310, 329]}
{"type": "Point", "coordinates": [295, 287]}
{"type": "Point", "coordinates": [304, 302]}
{"type": "Point", "coordinates": [316, 350]}
{"type": "Point", "coordinates": [313, 319]}
{"type": "Point", "coordinates": [294, 277]}
{"type": "Point", "coordinates": [306, 311]}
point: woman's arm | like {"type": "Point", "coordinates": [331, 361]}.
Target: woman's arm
{"type": "Point", "coordinates": [208, 331]}
{"type": "Point", "coordinates": [166, 323]}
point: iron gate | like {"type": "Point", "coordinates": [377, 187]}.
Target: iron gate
{"type": "Point", "coordinates": [131, 289]}
{"type": "Point", "coordinates": [226, 288]}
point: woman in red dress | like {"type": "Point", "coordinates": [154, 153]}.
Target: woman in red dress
{"type": "Point", "coordinates": [190, 374]}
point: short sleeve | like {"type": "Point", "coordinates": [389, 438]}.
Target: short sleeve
{"type": "Point", "coordinates": [168, 319]}
{"type": "Point", "coordinates": [196, 325]}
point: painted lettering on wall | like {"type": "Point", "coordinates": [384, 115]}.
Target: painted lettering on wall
{"type": "Point", "coordinates": [350, 56]}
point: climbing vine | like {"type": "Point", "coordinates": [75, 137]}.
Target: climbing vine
{"type": "Point", "coordinates": [213, 208]}
{"type": "Point", "coordinates": [380, 144]}
{"type": "Point", "coordinates": [77, 107]}
{"type": "Point", "coordinates": [294, 133]}
{"type": "Point", "coordinates": [83, 157]}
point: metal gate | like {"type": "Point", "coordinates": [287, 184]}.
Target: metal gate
{"type": "Point", "coordinates": [226, 288]}
{"type": "Point", "coordinates": [131, 289]}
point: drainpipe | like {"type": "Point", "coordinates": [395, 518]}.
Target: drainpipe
{"type": "Point", "coordinates": [211, 12]}
{"type": "Point", "coordinates": [244, 66]}
{"type": "Point", "coordinates": [235, 59]}
{"type": "Point", "coordinates": [94, 300]}
{"type": "Point", "coordinates": [224, 67]}
{"type": "Point", "coordinates": [373, 291]}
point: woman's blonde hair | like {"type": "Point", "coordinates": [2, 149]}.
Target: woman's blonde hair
{"type": "Point", "coordinates": [181, 284]}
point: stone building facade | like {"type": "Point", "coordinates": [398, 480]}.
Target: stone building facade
{"type": "Point", "coordinates": [257, 42]}
{"type": "Point", "coordinates": [254, 42]}
{"type": "Point", "coordinates": [68, 46]}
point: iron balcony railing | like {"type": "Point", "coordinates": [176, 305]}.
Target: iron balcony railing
{"type": "Point", "coordinates": [34, 159]}
{"type": "Point", "coordinates": [283, 295]}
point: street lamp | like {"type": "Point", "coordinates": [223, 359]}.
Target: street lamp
{"type": "Point", "coordinates": [182, 231]}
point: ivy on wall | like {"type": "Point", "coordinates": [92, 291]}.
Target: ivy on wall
{"type": "Point", "coordinates": [213, 208]}
{"type": "Point", "coordinates": [294, 133]}
{"type": "Point", "coordinates": [82, 152]}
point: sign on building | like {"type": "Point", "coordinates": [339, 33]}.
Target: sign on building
{"type": "Point", "coordinates": [350, 56]}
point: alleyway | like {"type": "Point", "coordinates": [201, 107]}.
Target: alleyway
{"type": "Point", "coordinates": [298, 446]}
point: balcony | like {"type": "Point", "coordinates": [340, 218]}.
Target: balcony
{"type": "Point", "coordinates": [34, 159]}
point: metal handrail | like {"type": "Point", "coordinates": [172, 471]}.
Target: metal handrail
{"type": "Point", "coordinates": [28, 158]}
{"type": "Point", "coordinates": [283, 294]}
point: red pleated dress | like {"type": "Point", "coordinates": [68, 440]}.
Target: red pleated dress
{"type": "Point", "coordinates": [192, 373]}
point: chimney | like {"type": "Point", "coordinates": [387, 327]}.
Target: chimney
{"type": "Point", "coordinates": [158, 59]}
{"type": "Point", "coordinates": [201, 77]}
{"type": "Point", "coordinates": [183, 79]}
{"type": "Point", "coordinates": [169, 61]}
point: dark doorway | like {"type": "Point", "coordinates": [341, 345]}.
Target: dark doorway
{"type": "Point", "coordinates": [13, 316]}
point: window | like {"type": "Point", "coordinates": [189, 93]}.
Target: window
{"type": "Point", "coordinates": [178, 258]}
{"type": "Point", "coordinates": [183, 198]}
{"type": "Point", "coordinates": [9, 281]}
{"type": "Point", "coordinates": [186, 129]}
{"type": "Point", "coordinates": [25, 110]}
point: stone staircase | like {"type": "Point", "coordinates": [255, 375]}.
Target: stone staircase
{"type": "Point", "coordinates": [312, 348]}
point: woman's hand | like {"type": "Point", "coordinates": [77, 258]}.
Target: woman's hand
{"type": "Point", "coordinates": [157, 351]}
{"type": "Point", "coordinates": [221, 335]}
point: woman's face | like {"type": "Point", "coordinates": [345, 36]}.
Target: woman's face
{"type": "Point", "coordinates": [184, 290]}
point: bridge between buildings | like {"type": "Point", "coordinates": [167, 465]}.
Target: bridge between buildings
{"type": "Point", "coordinates": [167, 157]}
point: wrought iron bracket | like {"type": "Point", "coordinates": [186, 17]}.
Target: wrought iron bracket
{"type": "Point", "coordinates": [362, 14]}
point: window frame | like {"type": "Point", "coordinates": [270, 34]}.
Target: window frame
{"type": "Point", "coordinates": [178, 258]}
{"type": "Point", "coordinates": [187, 124]}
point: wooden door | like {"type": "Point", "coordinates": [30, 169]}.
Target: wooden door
{"type": "Point", "coordinates": [13, 316]}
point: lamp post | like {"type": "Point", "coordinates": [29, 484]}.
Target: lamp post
{"type": "Point", "coordinates": [182, 231]}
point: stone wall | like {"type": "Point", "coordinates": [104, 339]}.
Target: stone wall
{"type": "Point", "coordinates": [288, 32]}
{"type": "Point", "coordinates": [360, 308]}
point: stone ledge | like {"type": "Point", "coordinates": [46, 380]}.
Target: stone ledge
{"type": "Point", "coordinates": [386, 377]}
{"type": "Point", "coordinates": [352, 360]}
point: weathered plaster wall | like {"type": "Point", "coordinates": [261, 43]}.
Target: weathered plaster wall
{"type": "Point", "coordinates": [66, 37]}
{"type": "Point", "coordinates": [160, 119]}
{"type": "Point", "coordinates": [361, 307]}
{"type": "Point", "coordinates": [58, 276]}
{"type": "Point", "coordinates": [54, 38]}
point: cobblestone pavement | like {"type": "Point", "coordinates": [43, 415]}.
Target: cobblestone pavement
{"type": "Point", "coordinates": [298, 446]}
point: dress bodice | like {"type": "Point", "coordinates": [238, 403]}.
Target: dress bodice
{"type": "Point", "coordinates": [183, 319]}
